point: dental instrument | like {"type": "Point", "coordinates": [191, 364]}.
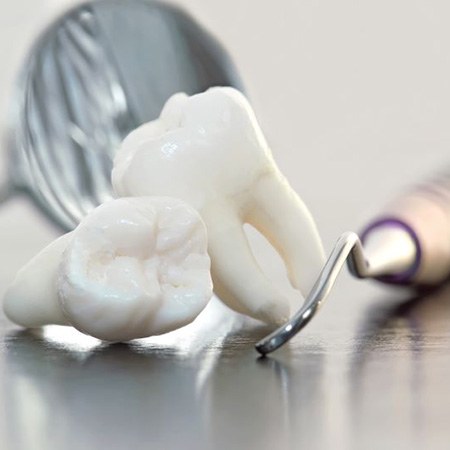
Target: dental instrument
{"type": "Point", "coordinates": [408, 244]}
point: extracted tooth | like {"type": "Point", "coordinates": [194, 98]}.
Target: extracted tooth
{"type": "Point", "coordinates": [208, 150]}
{"type": "Point", "coordinates": [132, 268]}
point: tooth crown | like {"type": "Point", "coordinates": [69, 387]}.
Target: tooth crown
{"type": "Point", "coordinates": [202, 148]}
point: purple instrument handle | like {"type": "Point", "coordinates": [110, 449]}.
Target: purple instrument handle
{"type": "Point", "coordinates": [405, 277]}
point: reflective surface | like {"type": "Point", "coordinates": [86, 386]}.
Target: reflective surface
{"type": "Point", "coordinates": [374, 379]}
{"type": "Point", "coordinates": [334, 95]}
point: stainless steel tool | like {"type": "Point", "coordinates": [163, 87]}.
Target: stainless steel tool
{"type": "Point", "coordinates": [96, 73]}
{"type": "Point", "coordinates": [348, 250]}
{"type": "Point", "coordinates": [408, 244]}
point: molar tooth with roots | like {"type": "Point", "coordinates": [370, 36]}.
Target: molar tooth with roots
{"type": "Point", "coordinates": [208, 150]}
{"type": "Point", "coordinates": [132, 268]}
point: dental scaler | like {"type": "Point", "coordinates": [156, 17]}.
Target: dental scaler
{"type": "Point", "coordinates": [408, 244]}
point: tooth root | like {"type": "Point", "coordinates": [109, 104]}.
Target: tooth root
{"type": "Point", "coordinates": [280, 215]}
{"type": "Point", "coordinates": [238, 280]}
{"type": "Point", "coordinates": [32, 301]}
{"type": "Point", "coordinates": [214, 161]}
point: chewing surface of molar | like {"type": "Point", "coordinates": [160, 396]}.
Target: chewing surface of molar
{"type": "Point", "coordinates": [132, 268]}
{"type": "Point", "coordinates": [208, 150]}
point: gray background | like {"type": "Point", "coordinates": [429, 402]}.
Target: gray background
{"type": "Point", "coordinates": [354, 98]}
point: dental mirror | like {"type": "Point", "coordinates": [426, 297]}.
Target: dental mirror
{"type": "Point", "coordinates": [95, 74]}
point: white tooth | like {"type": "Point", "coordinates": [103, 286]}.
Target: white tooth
{"type": "Point", "coordinates": [132, 268]}
{"type": "Point", "coordinates": [236, 273]}
{"type": "Point", "coordinates": [280, 215]}
{"type": "Point", "coordinates": [171, 114]}
{"type": "Point", "coordinates": [216, 159]}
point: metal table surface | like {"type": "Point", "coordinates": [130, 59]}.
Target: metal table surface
{"type": "Point", "coordinates": [352, 114]}
{"type": "Point", "coordinates": [373, 377]}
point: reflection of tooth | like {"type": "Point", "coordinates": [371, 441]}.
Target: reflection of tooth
{"type": "Point", "coordinates": [132, 268]}
{"type": "Point", "coordinates": [209, 151]}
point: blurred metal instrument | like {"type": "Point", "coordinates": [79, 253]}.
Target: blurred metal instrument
{"type": "Point", "coordinates": [96, 73]}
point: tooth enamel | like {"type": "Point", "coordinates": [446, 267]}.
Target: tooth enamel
{"type": "Point", "coordinates": [132, 268]}
{"type": "Point", "coordinates": [214, 156]}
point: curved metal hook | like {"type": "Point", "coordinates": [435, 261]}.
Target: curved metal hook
{"type": "Point", "coordinates": [348, 249]}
